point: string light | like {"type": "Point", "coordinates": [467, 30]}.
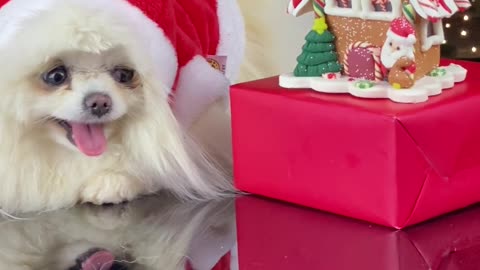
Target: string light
{"type": "Point", "coordinates": [463, 26]}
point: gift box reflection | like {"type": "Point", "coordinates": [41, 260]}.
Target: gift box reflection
{"type": "Point", "coordinates": [151, 233]}
{"type": "Point", "coordinates": [289, 237]}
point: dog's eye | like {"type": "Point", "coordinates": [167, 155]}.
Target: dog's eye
{"type": "Point", "coordinates": [56, 76]}
{"type": "Point", "coordinates": [123, 75]}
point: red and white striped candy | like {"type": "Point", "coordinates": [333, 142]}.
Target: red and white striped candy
{"type": "Point", "coordinates": [427, 9]}
{"type": "Point", "coordinates": [447, 7]}
{"type": "Point", "coordinates": [463, 4]}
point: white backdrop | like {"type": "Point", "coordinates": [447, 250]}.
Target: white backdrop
{"type": "Point", "coordinates": [274, 38]}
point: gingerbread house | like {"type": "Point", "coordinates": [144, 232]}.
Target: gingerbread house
{"type": "Point", "coordinates": [360, 28]}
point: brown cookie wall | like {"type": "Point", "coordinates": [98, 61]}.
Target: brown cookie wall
{"type": "Point", "coordinates": [351, 30]}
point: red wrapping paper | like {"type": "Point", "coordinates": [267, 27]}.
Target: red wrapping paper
{"type": "Point", "coordinates": [388, 163]}
{"type": "Point", "coordinates": [284, 236]}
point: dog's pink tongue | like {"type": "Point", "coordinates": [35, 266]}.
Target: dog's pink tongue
{"type": "Point", "coordinates": [89, 138]}
{"type": "Point", "coordinates": [102, 260]}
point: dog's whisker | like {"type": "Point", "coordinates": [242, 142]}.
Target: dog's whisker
{"type": "Point", "coordinates": [43, 119]}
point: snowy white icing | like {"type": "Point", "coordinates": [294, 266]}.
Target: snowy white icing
{"type": "Point", "coordinates": [430, 39]}
{"type": "Point", "coordinates": [440, 79]}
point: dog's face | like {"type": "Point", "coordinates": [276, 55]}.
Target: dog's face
{"type": "Point", "coordinates": [75, 79]}
{"type": "Point", "coordinates": [83, 97]}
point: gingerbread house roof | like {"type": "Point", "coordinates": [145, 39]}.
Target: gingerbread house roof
{"type": "Point", "coordinates": [433, 10]}
{"type": "Point", "coordinates": [426, 9]}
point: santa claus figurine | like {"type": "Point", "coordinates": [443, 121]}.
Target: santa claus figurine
{"type": "Point", "coordinates": [398, 45]}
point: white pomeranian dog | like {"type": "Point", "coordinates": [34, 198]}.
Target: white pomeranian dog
{"type": "Point", "coordinates": [156, 232]}
{"type": "Point", "coordinates": [103, 101]}
{"type": "Point", "coordinates": [88, 112]}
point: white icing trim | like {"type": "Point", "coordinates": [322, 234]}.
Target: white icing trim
{"type": "Point", "coordinates": [429, 9]}
{"type": "Point", "coordinates": [331, 8]}
{"type": "Point", "coordinates": [437, 37]}
{"type": "Point", "coordinates": [435, 11]}
{"type": "Point", "coordinates": [420, 92]}
{"type": "Point", "coordinates": [369, 13]}
{"type": "Point", "coordinates": [364, 9]}
{"type": "Point", "coordinates": [304, 7]}
{"type": "Point", "coordinates": [418, 9]}
{"type": "Point", "coordinates": [452, 6]}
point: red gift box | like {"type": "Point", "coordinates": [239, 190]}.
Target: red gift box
{"type": "Point", "coordinates": [388, 163]}
{"type": "Point", "coordinates": [288, 237]}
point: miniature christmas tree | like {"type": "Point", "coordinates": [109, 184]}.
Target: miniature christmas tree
{"type": "Point", "coordinates": [318, 54]}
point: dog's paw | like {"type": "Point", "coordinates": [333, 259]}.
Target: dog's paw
{"type": "Point", "coordinates": [111, 189]}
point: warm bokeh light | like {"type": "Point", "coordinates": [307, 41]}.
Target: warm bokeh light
{"type": "Point", "coordinates": [461, 40]}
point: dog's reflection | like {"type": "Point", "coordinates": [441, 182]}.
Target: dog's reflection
{"type": "Point", "coordinates": [151, 233]}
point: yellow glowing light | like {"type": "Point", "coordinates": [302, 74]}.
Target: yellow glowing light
{"type": "Point", "coordinates": [448, 25]}
{"type": "Point", "coordinates": [474, 49]}
{"type": "Point", "coordinates": [465, 18]}
{"type": "Point", "coordinates": [463, 33]}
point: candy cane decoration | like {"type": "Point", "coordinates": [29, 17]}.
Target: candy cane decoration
{"type": "Point", "coordinates": [376, 58]}
{"type": "Point", "coordinates": [448, 7]}
{"type": "Point", "coordinates": [319, 8]}
{"type": "Point", "coordinates": [378, 65]}
{"type": "Point", "coordinates": [428, 9]}
{"type": "Point", "coordinates": [409, 13]}
{"type": "Point", "coordinates": [431, 9]}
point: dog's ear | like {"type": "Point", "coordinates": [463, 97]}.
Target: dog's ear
{"type": "Point", "coordinates": [161, 153]}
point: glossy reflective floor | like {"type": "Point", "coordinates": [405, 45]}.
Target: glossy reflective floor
{"type": "Point", "coordinates": [246, 233]}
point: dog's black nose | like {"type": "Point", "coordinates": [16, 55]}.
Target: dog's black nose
{"type": "Point", "coordinates": [98, 104]}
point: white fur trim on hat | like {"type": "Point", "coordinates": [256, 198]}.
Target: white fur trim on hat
{"type": "Point", "coordinates": [410, 40]}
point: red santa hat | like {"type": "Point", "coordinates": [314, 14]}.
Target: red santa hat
{"type": "Point", "coordinates": [402, 31]}
{"type": "Point", "coordinates": [170, 33]}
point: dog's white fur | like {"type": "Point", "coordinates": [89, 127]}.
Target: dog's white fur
{"type": "Point", "coordinates": [150, 233]}
{"type": "Point", "coordinates": [150, 146]}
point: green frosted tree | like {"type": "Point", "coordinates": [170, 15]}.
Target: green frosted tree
{"type": "Point", "coordinates": [318, 54]}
